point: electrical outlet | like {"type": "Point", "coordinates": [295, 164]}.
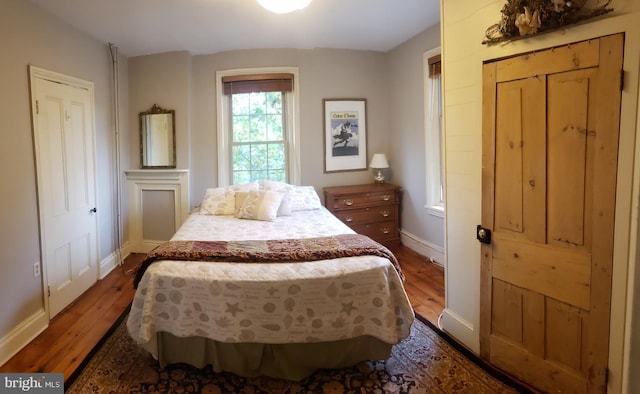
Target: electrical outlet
{"type": "Point", "coordinates": [36, 269]}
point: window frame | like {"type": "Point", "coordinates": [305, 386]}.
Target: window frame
{"type": "Point", "coordinates": [434, 146]}
{"type": "Point", "coordinates": [292, 119]}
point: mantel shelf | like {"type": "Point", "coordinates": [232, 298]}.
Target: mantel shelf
{"type": "Point", "coordinates": [161, 173]}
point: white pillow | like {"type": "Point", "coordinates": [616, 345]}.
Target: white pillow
{"type": "Point", "coordinates": [221, 200]}
{"type": "Point", "coordinates": [260, 205]}
{"type": "Point", "coordinates": [281, 187]}
{"type": "Point", "coordinates": [301, 198]}
{"type": "Point", "coordinates": [304, 198]}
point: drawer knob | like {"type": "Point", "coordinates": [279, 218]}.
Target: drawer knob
{"type": "Point", "coordinates": [384, 213]}
{"type": "Point", "coordinates": [386, 197]}
{"type": "Point", "coordinates": [384, 230]}
{"type": "Point", "coordinates": [348, 219]}
{"type": "Point", "coordinates": [348, 202]}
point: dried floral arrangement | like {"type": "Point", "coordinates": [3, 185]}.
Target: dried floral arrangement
{"type": "Point", "coordinates": [525, 17]}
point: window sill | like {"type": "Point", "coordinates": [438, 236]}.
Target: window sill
{"type": "Point", "coordinates": [435, 210]}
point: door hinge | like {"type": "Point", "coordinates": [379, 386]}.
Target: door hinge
{"type": "Point", "coordinates": [607, 374]}
{"type": "Point", "coordinates": [49, 291]}
{"type": "Point", "coordinates": [621, 80]}
{"type": "Point", "coordinates": [37, 107]}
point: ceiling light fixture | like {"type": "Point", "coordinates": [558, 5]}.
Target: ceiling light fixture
{"type": "Point", "coordinates": [284, 6]}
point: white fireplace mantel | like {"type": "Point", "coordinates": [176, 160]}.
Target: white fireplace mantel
{"type": "Point", "coordinates": [142, 181]}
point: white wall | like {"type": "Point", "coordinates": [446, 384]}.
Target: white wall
{"type": "Point", "coordinates": [463, 27]}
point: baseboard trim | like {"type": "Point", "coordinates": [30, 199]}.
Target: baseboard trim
{"type": "Point", "coordinates": [22, 334]}
{"type": "Point", "coordinates": [110, 262]}
{"type": "Point", "coordinates": [34, 325]}
{"type": "Point", "coordinates": [460, 329]}
{"type": "Point", "coordinates": [434, 252]}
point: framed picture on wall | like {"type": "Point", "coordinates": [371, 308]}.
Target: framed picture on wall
{"type": "Point", "coordinates": [345, 134]}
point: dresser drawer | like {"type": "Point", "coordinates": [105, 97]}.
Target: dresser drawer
{"type": "Point", "coordinates": [379, 231]}
{"type": "Point", "coordinates": [362, 200]}
{"type": "Point", "coordinates": [368, 215]}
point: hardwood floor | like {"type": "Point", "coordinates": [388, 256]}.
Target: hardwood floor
{"type": "Point", "coordinates": [424, 283]}
{"type": "Point", "coordinates": [72, 334]}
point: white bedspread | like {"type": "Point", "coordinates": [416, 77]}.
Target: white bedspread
{"type": "Point", "coordinates": [270, 302]}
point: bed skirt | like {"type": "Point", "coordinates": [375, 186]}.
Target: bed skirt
{"type": "Point", "coordinates": [292, 361]}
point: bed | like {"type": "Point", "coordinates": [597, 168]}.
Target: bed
{"type": "Point", "coordinates": [283, 319]}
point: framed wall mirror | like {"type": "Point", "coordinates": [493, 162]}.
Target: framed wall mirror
{"type": "Point", "coordinates": [157, 138]}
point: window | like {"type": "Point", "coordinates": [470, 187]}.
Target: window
{"type": "Point", "coordinates": [434, 134]}
{"type": "Point", "coordinates": [257, 127]}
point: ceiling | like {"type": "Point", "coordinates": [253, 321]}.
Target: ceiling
{"type": "Point", "coordinates": [141, 27]}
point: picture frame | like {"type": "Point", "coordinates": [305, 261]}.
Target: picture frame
{"type": "Point", "coordinates": [345, 134]}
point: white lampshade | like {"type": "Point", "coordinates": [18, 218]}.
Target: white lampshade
{"type": "Point", "coordinates": [379, 160]}
{"type": "Point", "coordinates": [284, 6]}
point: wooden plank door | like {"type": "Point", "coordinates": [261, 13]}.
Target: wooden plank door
{"type": "Point", "coordinates": [550, 144]}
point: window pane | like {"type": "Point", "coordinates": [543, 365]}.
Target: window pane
{"type": "Point", "coordinates": [276, 157]}
{"type": "Point", "coordinates": [241, 157]}
{"type": "Point", "coordinates": [258, 103]}
{"type": "Point", "coordinates": [259, 175]}
{"type": "Point", "coordinates": [240, 177]}
{"type": "Point", "coordinates": [241, 129]}
{"type": "Point", "coordinates": [240, 104]}
{"type": "Point", "coordinates": [274, 103]}
{"type": "Point", "coordinates": [259, 157]}
{"type": "Point", "coordinates": [278, 175]}
{"type": "Point", "coordinates": [258, 128]}
{"type": "Point", "coordinates": [274, 127]}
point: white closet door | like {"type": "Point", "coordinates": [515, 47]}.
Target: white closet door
{"type": "Point", "coordinates": [64, 142]}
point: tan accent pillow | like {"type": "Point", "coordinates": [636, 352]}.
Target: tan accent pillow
{"type": "Point", "coordinates": [260, 205]}
{"type": "Point", "coordinates": [240, 198]}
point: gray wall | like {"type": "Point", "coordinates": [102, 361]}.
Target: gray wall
{"type": "Point", "coordinates": [324, 73]}
{"type": "Point", "coordinates": [30, 36]}
{"type": "Point", "coordinates": [407, 135]}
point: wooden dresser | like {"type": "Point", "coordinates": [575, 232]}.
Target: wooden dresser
{"type": "Point", "coordinates": [371, 209]}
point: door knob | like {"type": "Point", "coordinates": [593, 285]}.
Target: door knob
{"type": "Point", "coordinates": [483, 234]}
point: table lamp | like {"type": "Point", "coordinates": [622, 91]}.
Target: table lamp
{"type": "Point", "coordinates": [379, 161]}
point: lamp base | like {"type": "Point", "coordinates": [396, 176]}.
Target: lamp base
{"type": "Point", "coordinates": [379, 178]}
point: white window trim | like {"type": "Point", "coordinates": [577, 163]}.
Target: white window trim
{"type": "Point", "coordinates": [293, 123]}
{"type": "Point", "coordinates": [434, 205]}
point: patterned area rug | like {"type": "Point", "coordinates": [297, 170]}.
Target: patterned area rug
{"type": "Point", "coordinates": [422, 363]}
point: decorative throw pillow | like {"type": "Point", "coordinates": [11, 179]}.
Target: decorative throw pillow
{"type": "Point", "coordinates": [221, 200]}
{"type": "Point", "coordinates": [281, 187]}
{"type": "Point", "coordinates": [260, 205]}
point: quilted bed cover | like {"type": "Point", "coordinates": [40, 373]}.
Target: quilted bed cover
{"type": "Point", "coordinates": [272, 303]}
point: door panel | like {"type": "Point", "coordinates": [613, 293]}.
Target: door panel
{"type": "Point", "coordinates": [63, 133]}
{"type": "Point", "coordinates": [567, 158]}
{"type": "Point", "coordinates": [549, 166]}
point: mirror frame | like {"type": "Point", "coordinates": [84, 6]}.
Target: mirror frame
{"type": "Point", "coordinates": [157, 110]}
